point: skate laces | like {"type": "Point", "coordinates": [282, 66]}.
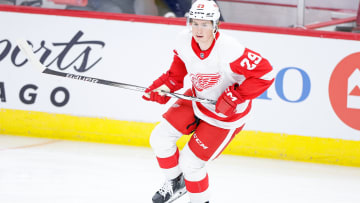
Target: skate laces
{"type": "Point", "coordinates": [167, 188]}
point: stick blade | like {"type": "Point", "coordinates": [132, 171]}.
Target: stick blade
{"type": "Point", "coordinates": [27, 50]}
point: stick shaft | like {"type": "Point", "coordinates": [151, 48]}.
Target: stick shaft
{"type": "Point", "coordinates": [24, 46]}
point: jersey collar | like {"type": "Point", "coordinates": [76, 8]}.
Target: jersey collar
{"type": "Point", "coordinates": [200, 53]}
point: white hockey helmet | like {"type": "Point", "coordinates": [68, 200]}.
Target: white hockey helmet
{"type": "Point", "coordinates": [205, 10]}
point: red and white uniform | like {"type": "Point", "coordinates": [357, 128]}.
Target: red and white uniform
{"type": "Point", "coordinates": [224, 64]}
{"type": "Point", "coordinates": [212, 71]}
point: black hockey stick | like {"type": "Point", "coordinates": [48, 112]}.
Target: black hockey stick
{"type": "Point", "coordinates": [25, 47]}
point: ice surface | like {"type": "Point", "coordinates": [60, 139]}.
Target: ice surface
{"type": "Point", "coordinates": [36, 170]}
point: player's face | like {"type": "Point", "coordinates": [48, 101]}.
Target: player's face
{"type": "Point", "coordinates": [202, 31]}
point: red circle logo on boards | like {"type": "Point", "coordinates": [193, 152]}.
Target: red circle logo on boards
{"type": "Point", "coordinates": [344, 90]}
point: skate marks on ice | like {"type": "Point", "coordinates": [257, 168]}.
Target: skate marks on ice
{"type": "Point", "coordinates": [44, 170]}
{"type": "Point", "coordinates": [65, 171]}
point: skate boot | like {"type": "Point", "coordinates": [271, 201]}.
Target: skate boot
{"type": "Point", "coordinates": [170, 191]}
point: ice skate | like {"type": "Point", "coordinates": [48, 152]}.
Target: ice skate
{"type": "Point", "coordinates": [170, 191]}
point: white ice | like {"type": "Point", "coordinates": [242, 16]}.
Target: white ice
{"type": "Point", "coordinates": [36, 170]}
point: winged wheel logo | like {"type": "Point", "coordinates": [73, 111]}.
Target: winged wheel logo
{"type": "Point", "coordinates": [204, 81]}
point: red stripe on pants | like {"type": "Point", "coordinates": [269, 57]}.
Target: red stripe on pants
{"type": "Point", "coordinates": [197, 186]}
{"type": "Point", "coordinates": [169, 162]}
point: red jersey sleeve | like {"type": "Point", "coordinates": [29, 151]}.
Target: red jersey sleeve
{"type": "Point", "coordinates": [257, 71]}
{"type": "Point", "coordinates": [177, 72]}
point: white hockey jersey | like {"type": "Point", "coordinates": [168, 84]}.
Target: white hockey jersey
{"type": "Point", "coordinates": [212, 71]}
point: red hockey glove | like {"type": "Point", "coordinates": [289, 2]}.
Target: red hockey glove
{"type": "Point", "coordinates": [228, 101]}
{"type": "Point", "coordinates": [154, 92]}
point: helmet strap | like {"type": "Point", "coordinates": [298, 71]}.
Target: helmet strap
{"type": "Point", "coordinates": [216, 28]}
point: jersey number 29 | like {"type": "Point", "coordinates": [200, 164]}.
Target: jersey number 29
{"type": "Point", "coordinates": [251, 61]}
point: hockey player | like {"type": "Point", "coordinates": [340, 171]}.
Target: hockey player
{"type": "Point", "coordinates": [221, 69]}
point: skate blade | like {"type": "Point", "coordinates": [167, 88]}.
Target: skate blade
{"type": "Point", "coordinates": [177, 195]}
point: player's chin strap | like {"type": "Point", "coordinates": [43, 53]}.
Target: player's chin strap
{"type": "Point", "coordinates": [216, 29]}
{"type": "Point", "coordinates": [214, 34]}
